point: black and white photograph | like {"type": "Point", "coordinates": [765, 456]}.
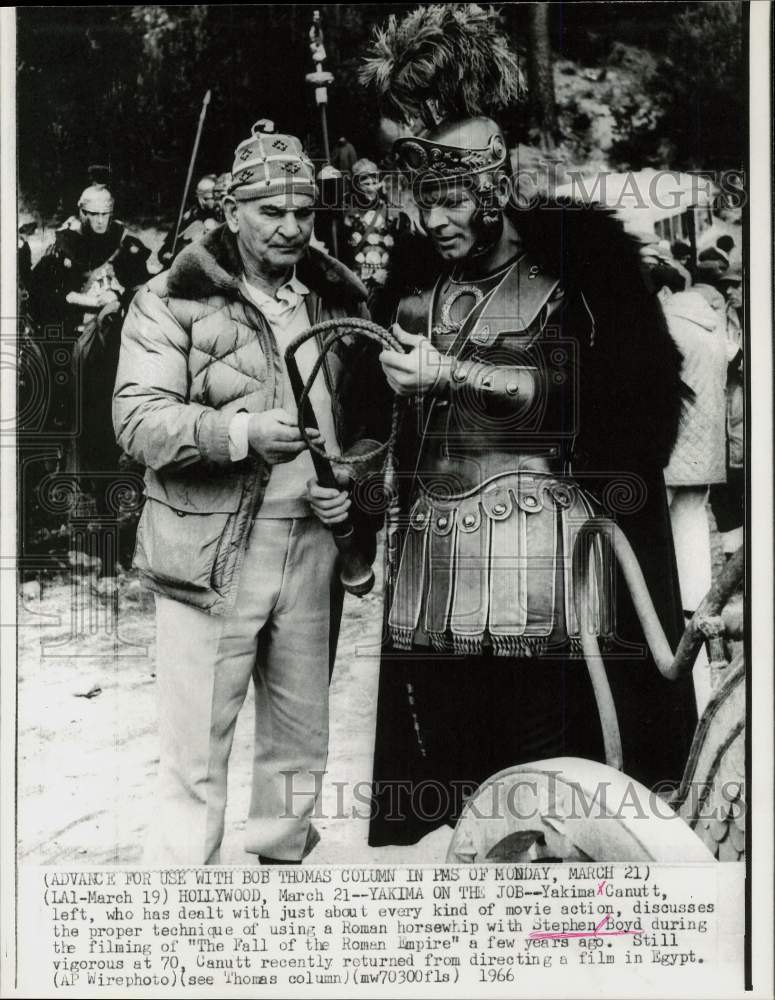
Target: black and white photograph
{"type": "Point", "coordinates": [379, 486]}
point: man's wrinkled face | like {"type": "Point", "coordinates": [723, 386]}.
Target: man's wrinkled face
{"type": "Point", "coordinates": [272, 233]}
{"type": "Point", "coordinates": [449, 215]}
{"type": "Point", "coordinates": [98, 222]}
{"type": "Point", "coordinates": [205, 194]}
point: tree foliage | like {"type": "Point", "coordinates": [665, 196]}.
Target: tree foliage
{"type": "Point", "coordinates": [705, 92]}
{"type": "Point", "coordinates": [124, 85]}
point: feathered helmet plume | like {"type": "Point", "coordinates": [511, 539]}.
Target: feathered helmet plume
{"type": "Point", "coordinates": [443, 61]}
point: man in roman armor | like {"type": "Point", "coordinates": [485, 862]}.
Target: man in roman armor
{"type": "Point", "coordinates": [200, 218]}
{"type": "Point", "coordinates": [222, 182]}
{"type": "Point", "coordinates": [79, 292]}
{"type": "Point", "coordinates": [370, 226]}
{"type": "Point", "coordinates": [539, 388]}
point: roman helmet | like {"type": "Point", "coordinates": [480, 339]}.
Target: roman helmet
{"type": "Point", "coordinates": [205, 189]}
{"type": "Point", "coordinates": [222, 182]}
{"type": "Point", "coordinates": [96, 199]}
{"type": "Point", "coordinates": [365, 168]}
{"type": "Point", "coordinates": [444, 71]}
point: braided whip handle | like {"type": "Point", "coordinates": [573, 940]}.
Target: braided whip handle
{"type": "Point", "coordinates": [355, 570]}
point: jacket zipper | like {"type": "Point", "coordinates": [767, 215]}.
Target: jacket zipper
{"type": "Point", "coordinates": [268, 346]}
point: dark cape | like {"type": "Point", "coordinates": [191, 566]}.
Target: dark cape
{"type": "Point", "coordinates": [71, 258]}
{"type": "Point", "coordinates": [80, 396]}
{"type": "Point", "coordinates": [446, 723]}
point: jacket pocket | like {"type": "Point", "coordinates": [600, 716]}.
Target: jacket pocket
{"type": "Point", "coordinates": [189, 549]}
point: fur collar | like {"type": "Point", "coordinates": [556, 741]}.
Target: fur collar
{"type": "Point", "coordinates": [212, 266]}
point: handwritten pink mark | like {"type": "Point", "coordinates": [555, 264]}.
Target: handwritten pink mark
{"type": "Point", "coordinates": [541, 936]}
{"type": "Point", "coordinates": [600, 888]}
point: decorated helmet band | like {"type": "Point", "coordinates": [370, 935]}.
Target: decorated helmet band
{"type": "Point", "coordinates": [421, 157]}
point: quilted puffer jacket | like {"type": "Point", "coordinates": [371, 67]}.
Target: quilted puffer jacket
{"type": "Point", "coordinates": [194, 352]}
{"type": "Point", "coordinates": [698, 456]}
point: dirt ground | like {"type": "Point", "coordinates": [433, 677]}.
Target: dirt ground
{"type": "Point", "coordinates": [87, 745]}
{"type": "Point", "coordinates": [87, 750]}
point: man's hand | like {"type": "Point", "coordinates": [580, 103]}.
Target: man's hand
{"type": "Point", "coordinates": [83, 301]}
{"type": "Point", "coordinates": [417, 371]}
{"type": "Point", "coordinates": [105, 297]}
{"type": "Point", "coordinates": [330, 506]}
{"type": "Point", "coordinates": [274, 434]}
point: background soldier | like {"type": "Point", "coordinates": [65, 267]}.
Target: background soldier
{"type": "Point", "coordinates": [370, 226]}
{"type": "Point", "coordinates": [220, 191]}
{"type": "Point", "coordinates": [81, 286]}
{"type": "Point", "coordinates": [197, 220]}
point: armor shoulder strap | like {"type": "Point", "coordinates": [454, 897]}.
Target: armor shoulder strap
{"type": "Point", "coordinates": [413, 311]}
{"type": "Point", "coordinates": [515, 304]}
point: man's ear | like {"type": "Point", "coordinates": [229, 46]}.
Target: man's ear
{"type": "Point", "coordinates": [230, 213]}
{"type": "Point", "coordinates": [503, 190]}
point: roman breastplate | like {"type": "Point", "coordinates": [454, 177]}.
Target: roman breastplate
{"type": "Point", "coordinates": [469, 436]}
{"type": "Point", "coordinates": [492, 515]}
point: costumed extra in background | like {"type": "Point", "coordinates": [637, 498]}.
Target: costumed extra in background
{"type": "Point", "coordinates": [202, 217]}
{"type": "Point", "coordinates": [82, 286]}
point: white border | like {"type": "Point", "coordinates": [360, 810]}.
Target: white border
{"type": "Point", "coordinates": [7, 498]}
{"type": "Point", "coordinates": [761, 597]}
{"type": "Point", "coordinates": [761, 661]}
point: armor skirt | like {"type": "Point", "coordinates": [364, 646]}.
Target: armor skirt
{"type": "Point", "coordinates": [492, 570]}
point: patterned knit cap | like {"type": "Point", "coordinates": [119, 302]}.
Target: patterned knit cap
{"type": "Point", "coordinates": [268, 164]}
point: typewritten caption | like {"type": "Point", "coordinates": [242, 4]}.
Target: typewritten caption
{"type": "Point", "coordinates": [446, 928]}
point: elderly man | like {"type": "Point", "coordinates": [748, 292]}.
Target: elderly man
{"type": "Point", "coordinates": [243, 574]}
{"type": "Point", "coordinates": [197, 220]}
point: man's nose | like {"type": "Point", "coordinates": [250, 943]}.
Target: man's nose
{"type": "Point", "coordinates": [290, 227]}
{"type": "Point", "coordinates": [437, 218]}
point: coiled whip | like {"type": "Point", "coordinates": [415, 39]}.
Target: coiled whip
{"type": "Point", "coordinates": [355, 570]}
{"type": "Point", "coordinates": [358, 578]}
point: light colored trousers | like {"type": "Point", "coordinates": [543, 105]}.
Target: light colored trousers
{"type": "Point", "coordinates": [278, 634]}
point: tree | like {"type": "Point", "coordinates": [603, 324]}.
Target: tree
{"type": "Point", "coordinates": [541, 77]}
{"type": "Point", "coordinates": [704, 88]}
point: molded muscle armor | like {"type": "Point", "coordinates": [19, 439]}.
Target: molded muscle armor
{"type": "Point", "coordinates": [493, 514]}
